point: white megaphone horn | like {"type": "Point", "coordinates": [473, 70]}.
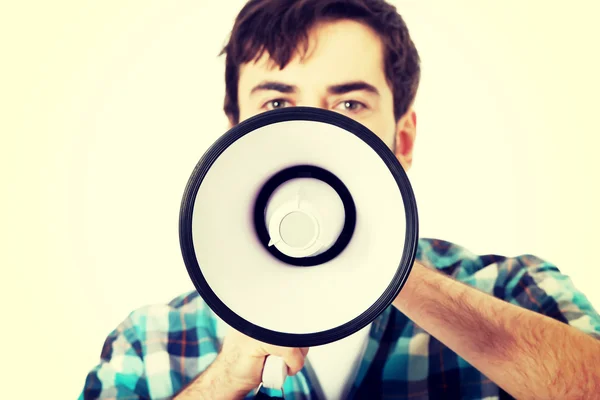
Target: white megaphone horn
{"type": "Point", "coordinates": [298, 227]}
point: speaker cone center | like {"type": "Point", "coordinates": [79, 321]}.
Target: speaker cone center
{"type": "Point", "coordinates": [304, 215]}
{"type": "Point", "coordinates": [294, 231]}
{"type": "Point", "coordinates": [298, 230]}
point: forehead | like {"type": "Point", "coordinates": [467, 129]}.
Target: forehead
{"type": "Point", "coordinates": [338, 51]}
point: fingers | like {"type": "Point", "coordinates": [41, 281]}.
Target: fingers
{"type": "Point", "coordinates": [292, 356]}
{"type": "Point", "coordinates": [304, 351]}
{"type": "Point", "coordinates": [246, 356]}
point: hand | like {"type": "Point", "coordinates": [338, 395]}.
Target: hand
{"type": "Point", "coordinates": [242, 359]}
{"type": "Point", "coordinates": [238, 368]}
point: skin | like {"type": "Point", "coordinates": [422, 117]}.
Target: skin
{"type": "Point", "coordinates": [527, 354]}
{"type": "Point", "coordinates": [339, 54]}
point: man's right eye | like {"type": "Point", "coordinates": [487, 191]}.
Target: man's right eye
{"type": "Point", "coordinates": [274, 104]}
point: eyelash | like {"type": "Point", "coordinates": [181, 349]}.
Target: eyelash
{"type": "Point", "coordinates": [361, 105]}
{"type": "Point", "coordinates": [273, 101]}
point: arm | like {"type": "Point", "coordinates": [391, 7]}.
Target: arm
{"type": "Point", "coordinates": [120, 373]}
{"type": "Point", "coordinates": [172, 351]}
{"type": "Point", "coordinates": [528, 354]}
{"type": "Point", "coordinates": [238, 368]}
{"type": "Point", "coordinates": [212, 384]}
{"type": "Point", "coordinates": [154, 352]}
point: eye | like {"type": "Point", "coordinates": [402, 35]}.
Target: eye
{"type": "Point", "coordinates": [350, 106]}
{"type": "Point", "coordinates": [276, 103]}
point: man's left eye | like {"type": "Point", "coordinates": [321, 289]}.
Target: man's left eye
{"type": "Point", "coordinates": [350, 105]}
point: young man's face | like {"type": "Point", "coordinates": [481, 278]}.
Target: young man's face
{"type": "Point", "coordinates": [342, 71]}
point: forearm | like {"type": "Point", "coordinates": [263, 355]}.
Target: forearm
{"type": "Point", "coordinates": [212, 384]}
{"type": "Point", "coordinates": [527, 354]}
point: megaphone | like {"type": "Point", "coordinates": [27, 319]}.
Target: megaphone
{"type": "Point", "coordinates": [298, 227]}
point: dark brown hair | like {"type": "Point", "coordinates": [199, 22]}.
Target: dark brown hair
{"type": "Point", "coordinates": [280, 27]}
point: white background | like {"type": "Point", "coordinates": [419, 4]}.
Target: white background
{"type": "Point", "coordinates": [107, 106]}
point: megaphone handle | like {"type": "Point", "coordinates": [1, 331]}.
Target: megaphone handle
{"type": "Point", "coordinates": [274, 373]}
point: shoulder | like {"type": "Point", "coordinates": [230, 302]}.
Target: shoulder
{"type": "Point", "coordinates": [182, 333]}
{"type": "Point", "coordinates": [455, 260]}
{"type": "Point", "coordinates": [465, 265]}
{"type": "Point", "coordinates": [187, 314]}
{"type": "Point", "coordinates": [524, 280]}
{"type": "Point", "coordinates": [496, 274]}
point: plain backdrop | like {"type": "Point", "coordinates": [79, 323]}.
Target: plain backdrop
{"type": "Point", "coordinates": [106, 107]}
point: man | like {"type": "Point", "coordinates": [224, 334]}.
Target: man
{"type": "Point", "coordinates": [464, 326]}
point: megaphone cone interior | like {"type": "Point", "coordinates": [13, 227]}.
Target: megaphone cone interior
{"type": "Point", "coordinates": [298, 227]}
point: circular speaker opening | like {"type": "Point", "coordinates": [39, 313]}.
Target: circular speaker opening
{"type": "Point", "coordinates": [232, 266]}
{"type": "Point", "coordinates": [265, 236]}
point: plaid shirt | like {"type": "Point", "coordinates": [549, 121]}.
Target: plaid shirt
{"type": "Point", "coordinates": [159, 349]}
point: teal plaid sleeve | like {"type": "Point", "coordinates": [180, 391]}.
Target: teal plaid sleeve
{"type": "Point", "coordinates": [537, 285]}
{"type": "Point", "coordinates": [158, 350]}
{"type": "Point", "coordinates": [404, 362]}
{"type": "Point", "coordinates": [155, 352]}
{"type": "Point", "coordinates": [525, 280]}
{"type": "Point", "coordinates": [121, 369]}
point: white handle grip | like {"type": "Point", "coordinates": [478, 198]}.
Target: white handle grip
{"type": "Point", "coordinates": [274, 373]}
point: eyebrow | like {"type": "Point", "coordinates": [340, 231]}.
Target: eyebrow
{"type": "Point", "coordinates": [351, 87]}
{"type": "Point", "coordinates": [341, 88]}
{"type": "Point", "coordinates": [276, 86]}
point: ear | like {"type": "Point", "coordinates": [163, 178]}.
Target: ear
{"type": "Point", "coordinates": [404, 141]}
